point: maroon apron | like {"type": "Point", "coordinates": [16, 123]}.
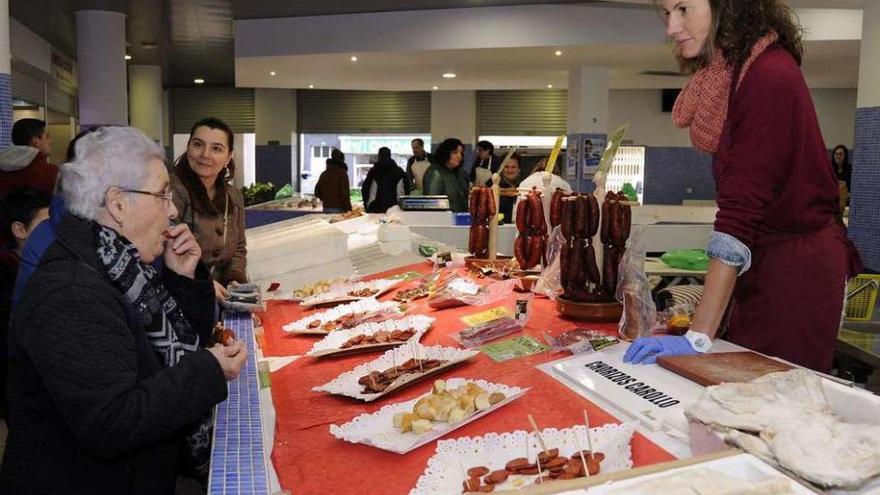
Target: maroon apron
{"type": "Point", "coordinates": [789, 303]}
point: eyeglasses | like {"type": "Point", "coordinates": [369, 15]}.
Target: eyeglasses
{"type": "Point", "coordinates": [167, 196]}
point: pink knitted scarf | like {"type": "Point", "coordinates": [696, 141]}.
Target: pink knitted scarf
{"type": "Point", "coordinates": [702, 104]}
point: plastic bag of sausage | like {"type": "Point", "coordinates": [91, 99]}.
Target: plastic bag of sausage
{"type": "Point", "coordinates": [448, 288]}
{"type": "Point", "coordinates": [549, 283]}
{"type": "Point", "coordinates": [497, 322]}
{"type": "Point", "coordinates": [634, 291]}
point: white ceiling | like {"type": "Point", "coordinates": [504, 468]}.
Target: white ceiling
{"type": "Point", "coordinates": [826, 65]}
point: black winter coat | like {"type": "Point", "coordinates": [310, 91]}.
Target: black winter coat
{"type": "Point", "coordinates": [384, 181]}
{"type": "Point", "coordinates": [92, 408]}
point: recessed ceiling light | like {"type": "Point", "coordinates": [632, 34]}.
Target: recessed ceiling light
{"type": "Point", "coordinates": [272, 73]}
{"type": "Point", "coordinates": [354, 58]}
{"type": "Point", "coordinates": [199, 80]}
{"type": "Point", "coordinates": [436, 88]}
{"type": "Point", "coordinates": [127, 57]}
{"type": "Point", "coordinates": [449, 75]}
{"type": "Point", "coordinates": [549, 86]}
{"type": "Point", "coordinates": [558, 53]}
{"type": "Point", "coordinates": [311, 86]}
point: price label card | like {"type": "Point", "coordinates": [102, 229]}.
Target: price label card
{"type": "Point", "coordinates": [485, 316]}
{"type": "Point", "coordinates": [513, 348]}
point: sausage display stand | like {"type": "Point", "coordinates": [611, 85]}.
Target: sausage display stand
{"type": "Point", "coordinates": [287, 433]}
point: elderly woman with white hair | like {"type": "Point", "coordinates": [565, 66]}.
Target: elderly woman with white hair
{"type": "Point", "coordinates": [110, 382]}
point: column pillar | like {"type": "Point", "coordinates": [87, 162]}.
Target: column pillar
{"type": "Point", "coordinates": [5, 77]}
{"type": "Point", "coordinates": [100, 53]}
{"type": "Point", "coordinates": [588, 96]}
{"type": "Point", "coordinates": [145, 100]}
{"type": "Point", "coordinates": [864, 217]}
{"type": "Point", "coordinates": [454, 115]}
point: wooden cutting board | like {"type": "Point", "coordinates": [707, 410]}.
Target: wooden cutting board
{"type": "Point", "coordinates": [722, 367]}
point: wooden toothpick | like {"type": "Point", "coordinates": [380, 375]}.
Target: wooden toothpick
{"type": "Point", "coordinates": [537, 432]}
{"type": "Point", "coordinates": [577, 444]}
{"type": "Point", "coordinates": [589, 438]}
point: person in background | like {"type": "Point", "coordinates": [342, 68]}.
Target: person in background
{"type": "Point", "coordinates": [385, 183]}
{"type": "Point", "coordinates": [209, 204]}
{"type": "Point", "coordinates": [418, 164]}
{"type": "Point", "coordinates": [777, 248]}
{"type": "Point", "coordinates": [511, 177]}
{"type": "Point", "coordinates": [20, 212]}
{"type": "Point", "coordinates": [44, 234]}
{"type": "Point", "coordinates": [333, 187]}
{"type": "Point", "coordinates": [110, 375]}
{"type": "Point", "coordinates": [843, 171]}
{"type": "Point", "coordinates": [446, 177]}
{"type": "Point", "coordinates": [26, 163]}
{"type": "Point", "coordinates": [536, 179]}
{"type": "Point", "coordinates": [485, 164]}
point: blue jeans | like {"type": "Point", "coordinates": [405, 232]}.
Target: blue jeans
{"type": "Point", "coordinates": [730, 251]}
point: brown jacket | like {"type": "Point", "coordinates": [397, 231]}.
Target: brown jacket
{"type": "Point", "coordinates": [332, 187]}
{"type": "Point", "coordinates": [227, 262]}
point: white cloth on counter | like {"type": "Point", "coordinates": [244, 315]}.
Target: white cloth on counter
{"type": "Point", "coordinates": [705, 481]}
{"type": "Point", "coordinates": [786, 419]}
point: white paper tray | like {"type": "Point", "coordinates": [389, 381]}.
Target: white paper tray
{"type": "Point", "coordinates": [443, 474]}
{"type": "Point", "coordinates": [746, 467]}
{"type": "Point", "coordinates": [330, 345]}
{"type": "Point", "coordinates": [301, 326]}
{"type": "Point", "coordinates": [340, 293]}
{"type": "Point", "coordinates": [377, 430]}
{"type": "Point", "coordinates": [347, 383]}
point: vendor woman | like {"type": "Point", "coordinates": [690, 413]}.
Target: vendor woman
{"type": "Point", "coordinates": [207, 201]}
{"type": "Point", "coordinates": [511, 176]}
{"type": "Point", "coordinates": [776, 249]}
{"type": "Point", "coordinates": [445, 177]}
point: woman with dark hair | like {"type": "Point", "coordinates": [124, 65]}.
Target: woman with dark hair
{"type": "Point", "coordinates": [842, 167]}
{"type": "Point", "coordinates": [776, 249]}
{"type": "Point", "coordinates": [209, 204]}
{"type": "Point", "coordinates": [446, 177]}
{"type": "Point", "coordinates": [511, 177]}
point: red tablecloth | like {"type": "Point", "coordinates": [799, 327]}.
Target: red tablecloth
{"type": "Point", "coordinates": [309, 460]}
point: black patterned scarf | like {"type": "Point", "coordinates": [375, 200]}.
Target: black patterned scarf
{"type": "Point", "coordinates": [165, 325]}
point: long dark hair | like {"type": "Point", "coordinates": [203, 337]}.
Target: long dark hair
{"type": "Point", "coordinates": [738, 24]}
{"type": "Point", "coordinates": [845, 156]}
{"type": "Point", "coordinates": [197, 191]}
{"type": "Point", "coordinates": [445, 150]}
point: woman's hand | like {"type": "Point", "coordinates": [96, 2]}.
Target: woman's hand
{"type": "Point", "coordinates": [220, 292]}
{"type": "Point", "coordinates": [182, 251]}
{"type": "Point", "coordinates": [231, 357]}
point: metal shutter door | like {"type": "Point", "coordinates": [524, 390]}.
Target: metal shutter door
{"type": "Point", "coordinates": [522, 113]}
{"type": "Point", "coordinates": [27, 87]}
{"type": "Point", "coordinates": [364, 112]}
{"type": "Point", "coordinates": [231, 105]}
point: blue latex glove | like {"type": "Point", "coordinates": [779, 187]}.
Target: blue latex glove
{"type": "Point", "coordinates": [646, 350]}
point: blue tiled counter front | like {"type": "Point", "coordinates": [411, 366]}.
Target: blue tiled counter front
{"type": "Point", "coordinates": [864, 219]}
{"type": "Point", "coordinates": [237, 461]}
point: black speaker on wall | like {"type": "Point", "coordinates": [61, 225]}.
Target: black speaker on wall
{"type": "Point", "coordinates": [669, 97]}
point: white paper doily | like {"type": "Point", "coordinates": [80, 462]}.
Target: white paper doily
{"type": "Point", "coordinates": [333, 341]}
{"type": "Point", "coordinates": [340, 293]}
{"type": "Point", "coordinates": [377, 429]}
{"type": "Point", "coordinates": [347, 383]}
{"type": "Point", "coordinates": [332, 314]}
{"type": "Point", "coordinates": [443, 474]}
